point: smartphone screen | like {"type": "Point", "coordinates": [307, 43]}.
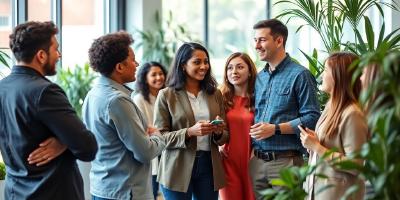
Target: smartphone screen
{"type": "Point", "coordinates": [216, 121]}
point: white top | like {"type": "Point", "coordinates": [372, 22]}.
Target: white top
{"type": "Point", "coordinates": [201, 112]}
{"type": "Point", "coordinates": [147, 109]}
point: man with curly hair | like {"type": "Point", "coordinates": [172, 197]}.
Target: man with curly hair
{"type": "Point", "coordinates": [121, 169]}
{"type": "Point", "coordinates": [41, 135]}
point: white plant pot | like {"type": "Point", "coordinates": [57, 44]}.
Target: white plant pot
{"type": "Point", "coordinates": [2, 185]}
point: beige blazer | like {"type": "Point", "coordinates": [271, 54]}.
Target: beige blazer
{"type": "Point", "coordinates": [352, 134]}
{"type": "Point", "coordinates": [173, 115]}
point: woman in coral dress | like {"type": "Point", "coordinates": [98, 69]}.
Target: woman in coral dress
{"type": "Point", "coordinates": [237, 90]}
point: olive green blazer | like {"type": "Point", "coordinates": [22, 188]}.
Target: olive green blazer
{"type": "Point", "coordinates": [352, 134]}
{"type": "Point", "coordinates": [173, 115]}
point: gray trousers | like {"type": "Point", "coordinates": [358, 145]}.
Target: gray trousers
{"type": "Point", "coordinates": [262, 172]}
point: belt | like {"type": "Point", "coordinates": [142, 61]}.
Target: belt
{"type": "Point", "coordinates": [275, 155]}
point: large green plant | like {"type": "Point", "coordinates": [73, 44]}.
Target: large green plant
{"type": "Point", "coordinates": [76, 83]}
{"type": "Point", "coordinates": [321, 16]}
{"type": "Point", "coordinates": [160, 43]}
{"type": "Point", "coordinates": [382, 166]}
{"type": "Point", "coordinates": [370, 45]}
{"type": "Point", "coordinates": [327, 18]}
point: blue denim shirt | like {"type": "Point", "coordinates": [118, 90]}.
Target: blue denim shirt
{"type": "Point", "coordinates": [122, 165]}
{"type": "Point", "coordinates": [288, 94]}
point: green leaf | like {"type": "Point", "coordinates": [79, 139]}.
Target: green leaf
{"type": "Point", "coordinates": [278, 182]}
{"type": "Point", "coordinates": [350, 191]}
{"type": "Point", "coordinates": [370, 33]}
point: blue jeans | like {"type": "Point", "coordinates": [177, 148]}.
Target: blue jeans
{"type": "Point", "coordinates": [99, 198]}
{"type": "Point", "coordinates": [201, 185]}
{"type": "Point", "coordinates": [155, 186]}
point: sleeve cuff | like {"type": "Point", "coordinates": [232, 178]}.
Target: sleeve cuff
{"type": "Point", "coordinates": [294, 123]}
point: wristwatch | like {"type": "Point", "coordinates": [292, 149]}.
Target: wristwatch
{"type": "Point", "coordinates": [277, 129]}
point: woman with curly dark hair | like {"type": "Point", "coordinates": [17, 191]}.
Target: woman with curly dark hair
{"type": "Point", "coordinates": [150, 80]}
{"type": "Point", "coordinates": [191, 165]}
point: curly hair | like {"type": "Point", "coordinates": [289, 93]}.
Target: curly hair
{"type": "Point", "coordinates": [141, 78]}
{"type": "Point", "coordinates": [227, 89]}
{"type": "Point", "coordinates": [30, 37]}
{"type": "Point", "coordinates": [177, 77]}
{"type": "Point", "coordinates": [109, 50]}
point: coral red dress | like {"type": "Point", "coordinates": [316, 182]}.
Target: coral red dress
{"type": "Point", "coordinates": [236, 165]}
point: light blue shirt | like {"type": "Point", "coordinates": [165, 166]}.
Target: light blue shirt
{"type": "Point", "coordinates": [121, 168]}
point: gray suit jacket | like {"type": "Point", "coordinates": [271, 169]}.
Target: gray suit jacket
{"type": "Point", "coordinates": [352, 134]}
{"type": "Point", "coordinates": [173, 115]}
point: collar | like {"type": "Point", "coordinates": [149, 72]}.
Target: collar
{"type": "Point", "coordinates": [280, 66]}
{"type": "Point", "coordinates": [103, 80]}
{"type": "Point", "coordinates": [21, 69]}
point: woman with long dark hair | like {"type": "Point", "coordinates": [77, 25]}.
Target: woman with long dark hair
{"type": "Point", "coordinates": [150, 79]}
{"type": "Point", "coordinates": [191, 165]}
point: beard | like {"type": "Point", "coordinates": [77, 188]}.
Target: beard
{"type": "Point", "coordinates": [49, 69]}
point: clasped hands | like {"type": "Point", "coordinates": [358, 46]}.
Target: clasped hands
{"type": "Point", "coordinates": [204, 127]}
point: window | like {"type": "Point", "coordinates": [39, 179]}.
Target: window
{"type": "Point", "coordinates": [231, 29]}
{"type": "Point", "coordinates": [81, 25]}
{"type": "Point", "coordinates": [42, 14]}
{"type": "Point", "coordinates": [5, 30]}
{"type": "Point", "coordinates": [305, 39]}
{"type": "Point", "coordinates": [190, 15]}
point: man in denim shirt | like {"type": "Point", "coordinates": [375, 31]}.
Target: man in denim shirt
{"type": "Point", "coordinates": [121, 169]}
{"type": "Point", "coordinates": [285, 97]}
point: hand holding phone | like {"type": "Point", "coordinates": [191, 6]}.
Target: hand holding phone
{"type": "Point", "coordinates": [217, 121]}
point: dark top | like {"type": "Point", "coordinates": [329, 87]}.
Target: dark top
{"type": "Point", "coordinates": [32, 109]}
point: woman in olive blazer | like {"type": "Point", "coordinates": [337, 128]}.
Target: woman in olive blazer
{"type": "Point", "coordinates": [190, 84]}
{"type": "Point", "coordinates": [342, 128]}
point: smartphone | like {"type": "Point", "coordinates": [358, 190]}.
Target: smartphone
{"type": "Point", "coordinates": [216, 121]}
{"type": "Point", "coordinates": [302, 126]}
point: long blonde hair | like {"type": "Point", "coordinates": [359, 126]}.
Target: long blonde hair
{"type": "Point", "coordinates": [227, 89]}
{"type": "Point", "coordinates": [344, 92]}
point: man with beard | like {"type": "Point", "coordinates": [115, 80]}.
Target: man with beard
{"type": "Point", "coordinates": [36, 117]}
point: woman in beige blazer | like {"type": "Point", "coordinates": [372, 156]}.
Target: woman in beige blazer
{"type": "Point", "coordinates": [191, 165]}
{"type": "Point", "coordinates": [342, 128]}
